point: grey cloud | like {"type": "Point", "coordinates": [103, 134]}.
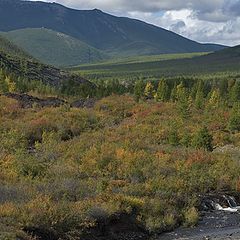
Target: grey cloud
{"type": "Point", "coordinates": [235, 8]}
{"type": "Point", "coordinates": [148, 5]}
{"type": "Point", "coordinates": [176, 27]}
{"type": "Point", "coordinates": [209, 10]}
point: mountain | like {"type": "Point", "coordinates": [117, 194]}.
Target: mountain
{"type": "Point", "coordinates": [54, 48]}
{"type": "Point", "coordinates": [117, 36]}
{"type": "Point", "coordinates": [9, 48]}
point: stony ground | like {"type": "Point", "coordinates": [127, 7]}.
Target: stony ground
{"type": "Point", "coordinates": [217, 225]}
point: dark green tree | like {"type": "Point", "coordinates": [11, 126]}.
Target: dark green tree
{"type": "Point", "coordinates": [162, 91]}
{"type": "Point", "coordinates": [235, 92]}
{"type": "Point", "coordinates": [234, 120]}
{"type": "Point", "coordinates": [173, 96]}
{"type": "Point", "coordinates": [183, 101]}
{"type": "Point", "coordinates": [3, 83]}
{"type": "Point", "coordinates": [199, 98]}
{"type": "Point", "coordinates": [203, 140]}
{"type": "Point", "coordinates": [223, 88]}
{"type": "Point", "coordinates": [139, 89]}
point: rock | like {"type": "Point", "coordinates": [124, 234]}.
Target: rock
{"type": "Point", "coordinates": [27, 101]}
{"type": "Point", "coordinates": [224, 201]}
{"type": "Point", "coordinates": [84, 103]}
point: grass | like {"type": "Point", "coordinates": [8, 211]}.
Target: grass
{"type": "Point", "coordinates": [142, 65]}
{"type": "Point", "coordinates": [144, 59]}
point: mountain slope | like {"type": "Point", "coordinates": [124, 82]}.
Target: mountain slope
{"type": "Point", "coordinates": [32, 70]}
{"type": "Point", "coordinates": [15, 62]}
{"type": "Point", "coordinates": [231, 54]}
{"type": "Point", "coordinates": [53, 47]}
{"type": "Point", "coordinates": [9, 48]}
{"type": "Point", "coordinates": [115, 35]}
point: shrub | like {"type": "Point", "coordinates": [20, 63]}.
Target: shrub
{"type": "Point", "coordinates": [191, 217]}
{"type": "Point", "coordinates": [234, 123]}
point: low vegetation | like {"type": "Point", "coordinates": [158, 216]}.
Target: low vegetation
{"type": "Point", "coordinates": [149, 154]}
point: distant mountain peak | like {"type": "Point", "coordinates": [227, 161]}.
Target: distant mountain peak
{"type": "Point", "coordinates": [97, 10]}
{"type": "Point", "coordinates": [114, 35]}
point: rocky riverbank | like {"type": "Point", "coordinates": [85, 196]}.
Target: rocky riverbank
{"type": "Point", "coordinates": [217, 225]}
{"type": "Point", "coordinates": [219, 220]}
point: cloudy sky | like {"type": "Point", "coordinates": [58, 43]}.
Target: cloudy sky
{"type": "Point", "coordinates": [215, 21]}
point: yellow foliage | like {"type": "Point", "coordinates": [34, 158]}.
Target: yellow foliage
{"type": "Point", "coordinates": [191, 217]}
{"type": "Point", "coordinates": [8, 210]}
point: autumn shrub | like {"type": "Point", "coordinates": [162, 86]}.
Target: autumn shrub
{"type": "Point", "coordinates": [9, 108]}
{"type": "Point", "coordinates": [43, 213]}
{"type": "Point", "coordinates": [8, 209]}
{"type": "Point", "coordinates": [191, 217]}
{"type": "Point", "coordinates": [234, 122]}
{"type": "Point", "coordinates": [115, 109]}
{"type": "Point", "coordinates": [159, 216]}
{"type": "Point", "coordinates": [77, 166]}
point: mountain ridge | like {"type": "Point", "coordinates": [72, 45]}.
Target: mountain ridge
{"type": "Point", "coordinates": [96, 28]}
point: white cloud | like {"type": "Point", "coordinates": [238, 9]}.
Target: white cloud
{"type": "Point", "coordinates": [202, 30]}
{"type": "Point", "coordinates": [201, 20]}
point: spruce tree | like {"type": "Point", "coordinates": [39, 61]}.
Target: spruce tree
{"type": "Point", "coordinates": [235, 92]}
{"type": "Point", "coordinates": [223, 88]}
{"type": "Point", "coordinates": [234, 120]}
{"type": "Point", "coordinates": [139, 89]}
{"type": "Point", "coordinates": [203, 140]}
{"type": "Point", "coordinates": [3, 83]}
{"type": "Point", "coordinates": [199, 98]}
{"type": "Point", "coordinates": [183, 101]}
{"type": "Point", "coordinates": [173, 96]}
{"type": "Point", "coordinates": [162, 91]}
